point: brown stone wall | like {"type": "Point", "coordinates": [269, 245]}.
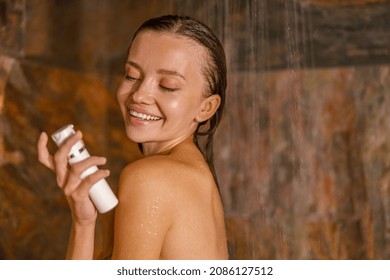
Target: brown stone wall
{"type": "Point", "coordinates": [305, 164]}
{"type": "Point", "coordinates": [302, 154]}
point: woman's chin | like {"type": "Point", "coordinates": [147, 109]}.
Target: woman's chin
{"type": "Point", "coordinates": [137, 137]}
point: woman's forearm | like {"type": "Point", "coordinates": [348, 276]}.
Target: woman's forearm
{"type": "Point", "coordinates": [81, 242]}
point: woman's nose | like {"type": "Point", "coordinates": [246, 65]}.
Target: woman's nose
{"type": "Point", "coordinates": [143, 92]}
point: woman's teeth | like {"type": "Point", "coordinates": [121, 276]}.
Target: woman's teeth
{"type": "Point", "coordinates": [143, 116]}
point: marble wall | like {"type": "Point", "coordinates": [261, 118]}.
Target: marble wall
{"type": "Point", "coordinates": [303, 151]}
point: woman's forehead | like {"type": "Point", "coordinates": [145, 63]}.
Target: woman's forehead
{"type": "Point", "coordinates": [166, 41]}
{"type": "Point", "coordinates": [166, 49]}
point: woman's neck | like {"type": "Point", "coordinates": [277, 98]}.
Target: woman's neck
{"type": "Point", "coordinates": [164, 148]}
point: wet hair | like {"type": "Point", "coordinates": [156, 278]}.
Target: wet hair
{"type": "Point", "coordinates": [214, 71]}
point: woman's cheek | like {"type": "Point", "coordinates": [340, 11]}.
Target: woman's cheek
{"type": "Point", "coordinates": [174, 105]}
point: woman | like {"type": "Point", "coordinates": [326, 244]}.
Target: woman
{"type": "Point", "coordinates": [172, 95]}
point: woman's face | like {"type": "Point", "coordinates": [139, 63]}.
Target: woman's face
{"type": "Point", "coordinates": [163, 89]}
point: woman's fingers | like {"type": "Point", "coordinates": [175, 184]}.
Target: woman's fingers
{"type": "Point", "coordinates": [83, 189]}
{"type": "Point", "coordinates": [44, 156]}
{"type": "Point", "coordinates": [83, 210]}
{"type": "Point", "coordinates": [82, 207]}
{"type": "Point", "coordinates": [82, 169]}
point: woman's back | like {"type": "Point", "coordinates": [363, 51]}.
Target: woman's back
{"type": "Point", "coordinates": [173, 201]}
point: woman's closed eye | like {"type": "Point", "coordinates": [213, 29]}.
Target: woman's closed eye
{"type": "Point", "coordinates": [131, 78]}
{"type": "Point", "coordinates": [169, 85]}
{"type": "Point", "coordinates": [169, 89]}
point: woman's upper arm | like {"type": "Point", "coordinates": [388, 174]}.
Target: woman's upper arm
{"type": "Point", "coordinates": [142, 217]}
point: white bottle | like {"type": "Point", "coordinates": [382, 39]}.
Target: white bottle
{"type": "Point", "coordinates": [100, 193]}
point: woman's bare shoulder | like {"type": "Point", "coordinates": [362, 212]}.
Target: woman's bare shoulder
{"type": "Point", "coordinates": [157, 174]}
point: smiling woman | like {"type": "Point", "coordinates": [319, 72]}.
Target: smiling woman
{"type": "Point", "coordinates": [164, 80]}
{"type": "Point", "coordinates": [172, 94]}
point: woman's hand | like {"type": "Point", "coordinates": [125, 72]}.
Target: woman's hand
{"type": "Point", "coordinates": [68, 177]}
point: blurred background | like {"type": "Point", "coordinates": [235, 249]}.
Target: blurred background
{"type": "Point", "coordinates": [303, 151]}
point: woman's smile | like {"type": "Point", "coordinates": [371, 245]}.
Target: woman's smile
{"type": "Point", "coordinates": [143, 115]}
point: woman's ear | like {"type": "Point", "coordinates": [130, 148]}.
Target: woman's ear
{"type": "Point", "coordinates": [208, 108]}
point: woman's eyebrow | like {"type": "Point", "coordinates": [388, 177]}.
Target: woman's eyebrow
{"type": "Point", "coordinates": [159, 71]}
{"type": "Point", "coordinates": [171, 73]}
{"type": "Point", "coordinates": [132, 63]}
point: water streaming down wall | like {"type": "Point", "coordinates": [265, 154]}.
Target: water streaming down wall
{"type": "Point", "coordinates": [303, 151]}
